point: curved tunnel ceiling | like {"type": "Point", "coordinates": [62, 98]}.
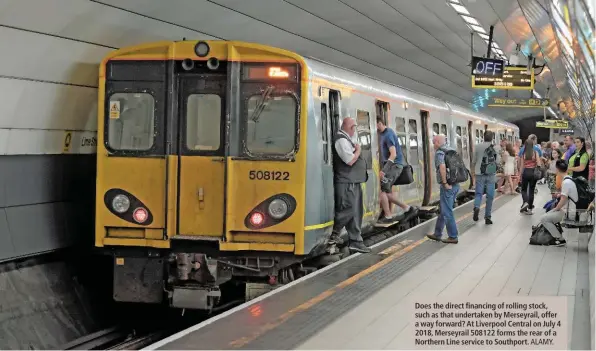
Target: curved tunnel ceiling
{"type": "Point", "coordinates": [422, 45]}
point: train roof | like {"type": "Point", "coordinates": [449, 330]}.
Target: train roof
{"type": "Point", "coordinates": [362, 81]}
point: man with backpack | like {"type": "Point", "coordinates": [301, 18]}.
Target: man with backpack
{"type": "Point", "coordinates": [450, 171]}
{"type": "Point", "coordinates": [575, 195]}
{"type": "Point", "coordinates": [485, 164]}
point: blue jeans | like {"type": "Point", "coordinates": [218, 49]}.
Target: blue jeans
{"type": "Point", "coordinates": [485, 182]}
{"type": "Point", "coordinates": [446, 215]}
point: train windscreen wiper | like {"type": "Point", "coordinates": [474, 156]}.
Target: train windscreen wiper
{"type": "Point", "coordinates": [262, 103]}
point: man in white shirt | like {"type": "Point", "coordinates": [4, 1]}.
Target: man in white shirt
{"type": "Point", "coordinates": [349, 171]}
{"type": "Point", "coordinates": [565, 207]}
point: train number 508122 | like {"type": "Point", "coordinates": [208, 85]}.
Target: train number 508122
{"type": "Point", "coordinates": [269, 175]}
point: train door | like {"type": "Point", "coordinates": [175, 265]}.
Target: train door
{"type": "Point", "coordinates": [330, 122]}
{"type": "Point", "coordinates": [201, 158]}
{"type": "Point", "coordinates": [426, 156]}
{"type": "Point", "coordinates": [472, 141]}
{"type": "Point", "coordinates": [414, 150]}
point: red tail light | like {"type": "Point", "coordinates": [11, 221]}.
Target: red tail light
{"type": "Point", "coordinates": [257, 219]}
{"type": "Point", "coordinates": [140, 215]}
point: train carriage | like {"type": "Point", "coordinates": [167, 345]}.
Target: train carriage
{"type": "Point", "coordinates": [215, 162]}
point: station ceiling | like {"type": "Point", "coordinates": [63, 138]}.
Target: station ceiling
{"type": "Point", "coordinates": [422, 45]}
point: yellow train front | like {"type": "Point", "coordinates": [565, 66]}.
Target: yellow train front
{"type": "Point", "coordinates": [200, 167]}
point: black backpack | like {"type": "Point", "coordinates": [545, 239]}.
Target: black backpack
{"type": "Point", "coordinates": [489, 161]}
{"type": "Point", "coordinates": [540, 236]}
{"type": "Point", "coordinates": [456, 169]}
{"type": "Point", "coordinates": [585, 195]}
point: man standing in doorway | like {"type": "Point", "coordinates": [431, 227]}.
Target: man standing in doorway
{"type": "Point", "coordinates": [392, 164]}
{"type": "Point", "coordinates": [349, 171]}
{"type": "Point", "coordinates": [485, 164]}
{"type": "Point", "coordinates": [447, 196]}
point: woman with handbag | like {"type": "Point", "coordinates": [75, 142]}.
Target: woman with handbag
{"type": "Point", "coordinates": [531, 172]}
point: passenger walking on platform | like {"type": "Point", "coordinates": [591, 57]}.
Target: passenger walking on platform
{"type": "Point", "coordinates": [501, 179]}
{"type": "Point", "coordinates": [509, 169]}
{"type": "Point", "coordinates": [392, 163]}
{"type": "Point", "coordinates": [529, 162]}
{"type": "Point", "coordinates": [536, 147]}
{"type": "Point", "coordinates": [564, 206]}
{"type": "Point", "coordinates": [349, 172]}
{"type": "Point", "coordinates": [485, 164]}
{"type": "Point", "coordinates": [447, 195]}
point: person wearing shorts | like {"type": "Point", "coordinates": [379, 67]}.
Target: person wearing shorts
{"type": "Point", "coordinates": [392, 164]}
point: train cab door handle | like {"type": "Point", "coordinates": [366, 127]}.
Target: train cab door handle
{"type": "Point", "coordinates": [201, 197]}
{"type": "Point", "coordinates": [218, 159]}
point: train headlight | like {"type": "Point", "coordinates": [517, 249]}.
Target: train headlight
{"type": "Point", "coordinates": [121, 203]}
{"type": "Point", "coordinates": [278, 208]}
{"type": "Point", "coordinates": [202, 49]}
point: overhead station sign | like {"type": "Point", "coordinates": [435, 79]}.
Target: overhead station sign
{"type": "Point", "coordinates": [514, 78]}
{"type": "Point", "coordinates": [566, 132]}
{"type": "Point", "coordinates": [553, 123]}
{"type": "Point", "coordinates": [486, 67]}
{"type": "Point", "coordinates": [519, 102]}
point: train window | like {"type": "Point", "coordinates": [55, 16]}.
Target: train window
{"type": "Point", "coordinates": [400, 124]}
{"type": "Point", "coordinates": [465, 147]}
{"type": "Point", "coordinates": [325, 132]}
{"type": "Point", "coordinates": [134, 127]}
{"type": "Point", "coordinates": [403, 145]}
{"type": "Point", "coordinates": [203, 120]}
{"type": "Point", "coordinates": [465, 131]}
{"type": "Point", "coordinates": [481, 136]}
{"type": "Point", "coordinates": [435, 129]}
{"type": "Point", "coordinates": [271, 125]}
{"type": "Point", "coordinates": [459, 140]}
{"type": "Point", "coordinates": [444, 129]}
{"type": "Point", "coordinates": [413, 126]}
{"type": "Point", "coordinates": [477, 134]}
{"type": "Point", "coordinates": [363, 121]}
{"type": "Point", "coordinates": [414, 159]}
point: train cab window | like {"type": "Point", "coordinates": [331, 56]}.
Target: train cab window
{"type": "Point", "coordinates": [363, 122]}
{"type": "Point", "coordinates": [435, 129]}
{"type": "Point", "coordinates": [444, 130]}
{"type": "Point", "coordinates": [134, 127]}
{"type": "Point", "coordinates": [271, 125]}
{"type": "Point", "coordinates": [203, 120]}
{"type": "Point", "coordinates": [325, 132]}
{"type": "Point", "coordinates": [400, 124]}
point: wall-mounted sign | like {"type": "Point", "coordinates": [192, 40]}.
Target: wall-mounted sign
{"type": "Point", "coordinates": [518, 102]}
{"type": "Point", "coordinates": [566, 132]}
{"type": "Point", "coordinates": [487, 67]}
{"type": "Point", "coordinates": [514, 78]}
{"type": "Point", "coordinates": [552, 123]}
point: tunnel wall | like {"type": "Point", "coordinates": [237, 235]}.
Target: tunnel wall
{"type": "Point", "coordinates": [48, 79]}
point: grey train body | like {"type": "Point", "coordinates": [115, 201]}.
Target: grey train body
{"type": "Point", "coordinates": [357, 96]}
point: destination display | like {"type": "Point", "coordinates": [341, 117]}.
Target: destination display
{"type": "Point", "coordinates": [566, 132]}
{"type": "Point", "coordinates": [519, 102]}
{"type": "Point", "coordinates": [487, 67]}
{"type": "Point", "coordinates": [514, 78]}
{"type": "Point", "coordinates": [553, 123]}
